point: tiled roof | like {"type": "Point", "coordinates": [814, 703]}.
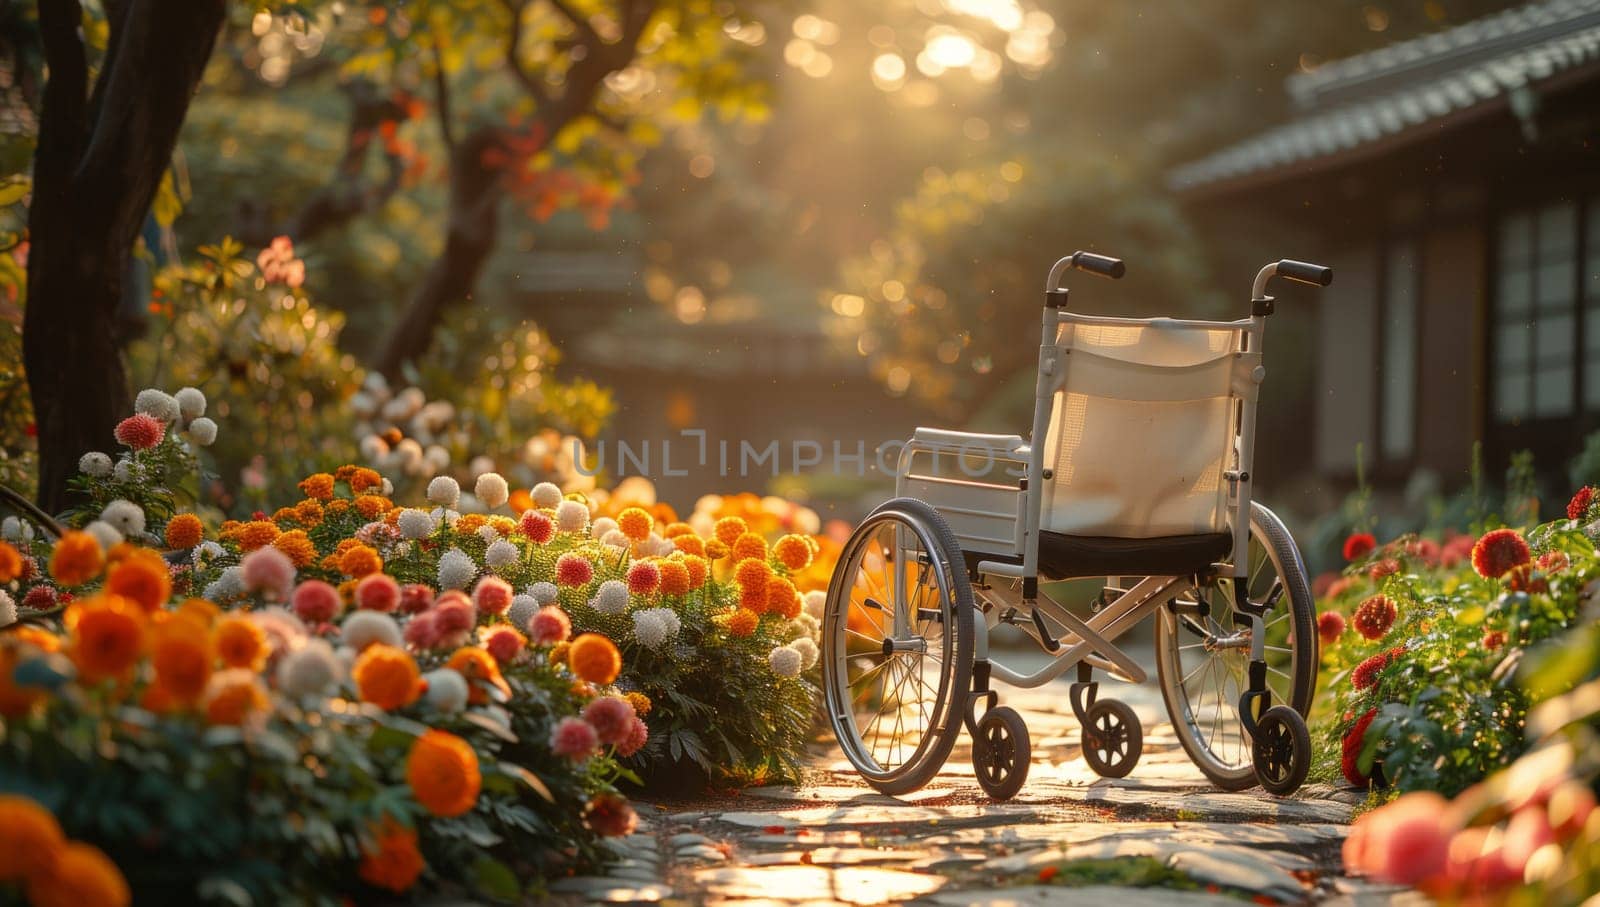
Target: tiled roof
{"type": "Point", "coordinates": [1384, 93]}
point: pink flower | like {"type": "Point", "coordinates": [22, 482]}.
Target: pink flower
{"type": "Point", "coordinates": [1406, 842]}
{"type": "Point", "coordinates": [538, 527]}
{"type": "Point", "coordinates": [269, 571]}
{"type": "Point", "coordinates": [504, 643]}
{"type": "Point", "coordinates": [423, 631]}
{"type": "Point", "coordinates": [377, 592]}
{"type": "Point", "coordinates": [611, 816]}
{"type": "Point", "coordinates": [638, 736]}
{"type": "Point", "coordinates": [573, 570]}
{"type": "Point", "coordinates": [643, 578]}
{"type": "Point", "coordinates": [315, 601]}
{"type": "Point", "coordinates": [139, 431]}
{"type": "Point", "coordinates": [551, 625]}
{"type": "Point", "coordinates": [493, 595]}
{"type": "Point", "coordinates": [454, 613]}
{"type": "Point", "coordinates": [612, 718]}
{"type": "Point", "coordinates": [574, 738]}
{"type": "Point", "coordinates": [415, 598]}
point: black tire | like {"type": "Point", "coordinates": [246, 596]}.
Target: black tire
{"type": "Point", "coordinates": [1001, 753]}
{"type": "Point", "coordinates": [1294, 681]}
{"type": "Point", "coordinates": [945, 719]}
{"type": "Point", "coordinates": [1281, 750]}
{"type": "Point", "coordinates": [1112, 738]}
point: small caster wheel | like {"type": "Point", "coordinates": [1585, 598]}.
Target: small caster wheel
{"type": "Point", "coordinates": [1000, 753]}
{"type": "Point", "coordinates": [1112, 738]}
{"type": "Point", "coordinates": [1281, 750]}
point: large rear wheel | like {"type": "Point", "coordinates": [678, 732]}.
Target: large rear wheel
{"type": "Point", "coordinates": [897, 646]}
{"type": "Point", "coordinates": [1203, 662]}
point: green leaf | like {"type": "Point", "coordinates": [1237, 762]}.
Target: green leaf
{"type": "Point", "coordinates": [15, 190]}
{"type": "Point", "coordinates": [495, 879]}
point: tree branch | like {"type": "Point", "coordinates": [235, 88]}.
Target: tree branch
{"type": "Point", "coordinates": [585, 27]}
{"type": "Point", "coordinates": [529, 82]}
{"type": "Point", "coordinates": [62, 123]}
{"type": "Point", "coordinates": [441, 90]}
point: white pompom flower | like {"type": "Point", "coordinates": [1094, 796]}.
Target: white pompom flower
{"type": "Point", "coordinates": [157, 404]}
{"type": "Point", "coordinates": [311, 670]}
{"type": "Point", "coordinates": [123, 471]}
{"type": "Point", "coordinates": [447, 690]}
{"type": "Point", "coordinates": [544, 593]}
{"type": "Point", "coordinates": [16, 529]}
{"type": "Point", "coordinates": [649, 629]}
{"type": "Point", "coordinates": [616, 539]}
{"type": "Point", "coordinates": [444, 491]}
{"type": "Point", "coordinates": [611, 597]}
{"type": "Point", "coordinates": [523, 608]}
{"type": "Point", "coordinates": [572, 516]}
{"type": "Point", "coordinates": [124, 516]}
{"type": "Point", "coordinates": [203, 431]}
{"type": "Point", "coordinates": [488, 534]}
{"type": "Point", "coordinates": [95, 464]}
{"type": "Point", "coordinates": [809, 653]}
{"type": "Point", "coordinates": [364, 628]}
{"type": "Point", "coordinates": [415, 524]}
{"type": "Point", "coordinates": [191, 402]}
{"type": "Point", "coordinates": [492, 490]}
{"type": "Point", "coordinates": [546, 495]}
{"type": "Point", "coordinates": [8, 609]}
{"type": "Point", "coordinates": [815, 601]}
{"type": "Point", "coordinates": [456, 569]}
{"type": "Point", "coordinates": [501, 553]}
{"type": "Point", "coordinates": [602, 527]}
{"type": "Point", "coordinates": [786, 661]}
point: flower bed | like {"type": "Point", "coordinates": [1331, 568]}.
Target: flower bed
{"type": "Point", "coordinates": [347, 696]}
{"type": "Point", "coordinates": [1447, 660]}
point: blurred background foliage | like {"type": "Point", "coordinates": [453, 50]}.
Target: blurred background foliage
{"type": "Point", "coordinates": [889, 180]}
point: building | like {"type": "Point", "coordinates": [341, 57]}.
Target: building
{"type": "Point", "coordinates": [1453, 183]}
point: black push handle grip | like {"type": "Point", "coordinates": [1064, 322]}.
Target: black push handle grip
{"type": "Point", "coordinates": [1104, 265]}
{"type": "Point", "coordinates": [1305, 272]}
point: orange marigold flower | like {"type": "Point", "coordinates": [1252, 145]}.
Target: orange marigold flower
{"type": "Point", "coordinates": [387, 677]}
{"type": "Point", "coordinates": [336, 507]}
{"type": "Point", "coordinates": [30, 838]}
{"type": "Point", "coordinates": [729, 528]}
{"type": "Point", "coordinates": [689, 543]}
{"type": "Point", "coordinates": [699, 570]}
{"type": "Point", "coordinates": [10, 562]}
{"type": "Point", "coordinates": [240, 642]}
{"type": "Point", "coordinates": [635, 523]}
{"type": "Point", "coordinates": [182, 657]}
{"type": "Point", "coordinates": [470, 523]}
{"type": "Point", "coordinates": [443, 773]}
{"type": "Point", "coordinates": [716, 550]}
{"type": "Point", "coordinates": [107, 637]}
{"type": "Point", "coordinates": [1498, 551]}
{"type": "Point", "coordinates": [753, 577]}
{"type": "Point", "coordinates": [359, 561]}
{"type": "Point", "coordinates": [594, 658]}
{"type": "Point", "coordinates": [503, 524]}
{"type": "Point", "coordinates": [479, 668]}
{"type": "Point", "coordinates": [361, 478]}
{"type": "Point", "coordinates": [749, 547]}
{"type": "Point", "coordinates": [674, 577]}
{"type": "Point", "coordinates": [673, 530]}
{"type": "Point", "coordinates": [284, 515]}
{"type": "Point", "coordinates": [77, 558]}
{"type": "Point", "coordinates": [743, 622]}
{"type": "Point", "coordinates": [783, 598]}
{"type": "Point", "coordinates": [81, 875]}
{"type": "Point", "coordinates": [308, 512]}
{"type": "Point", "coordinates": [559, 652]}
{"type": "Point", "coordinates": [185, 531]}
{"type": "Point", "coordinates": [373, 506]}
{"type": "Point", "coordinates": [794, 552]}
{"type": "Point", "coordinates": [318, 485]}
{"type": "Point", "coordinates": [640, 702]}
{"type": "Point", "coordinates": [201, 610]}
{"type": "Point", "coordinates": [257, 534]}
{"type": "Point", "coordinates": [297, 546]}
{"type": "Point", "coordinates": [143, 578]}
{"type": "Point", "coordinates": [391, 860]}
{"type": "Point", "coordinates": [235, 696]}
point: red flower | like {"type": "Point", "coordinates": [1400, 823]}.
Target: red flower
{"type": "Point", "coordinates": [1499, 551]}
{"type": "Point", "coordinates": [1366, 673]}
{"type": "Point", "coordinates": [1579, 505]}
{"type": "Point", "coordinates": [1359, 545]}
{"type": "Point", "coordinates": [611, 815]}
{"type": "Point", "coordinates": [1493, 639]}
{"type": "Point", "coordinates": [1386, 567]}
{"type": "Point", "coordinates": [537, 526]}
{"type": "Point", "coordinates": [139, 432]}
{"type": "Point", "coordinates": [1375, 616]}
{"type": "Point", "coordinates": [1350, 750]}
{"type": "Point", "coordinates": [573, 570]}
{"type": "Point", "coordinates": [1425, 550]}
{"type": "Point", "coordinates": [643, 578]}
{"type": "Point", "coordinates": [1330, 626]}
{"type": "Point", "coordinates": [1554, 561]}
{"type": "Point", "coordinates": [1524, 578]}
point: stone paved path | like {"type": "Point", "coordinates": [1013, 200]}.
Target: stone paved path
{"type": "Point", "coordinates": [835, 841]}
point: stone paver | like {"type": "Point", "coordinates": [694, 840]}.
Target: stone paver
{"type": "Point", "coordinates": [834, 840]}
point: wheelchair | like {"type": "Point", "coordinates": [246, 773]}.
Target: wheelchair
{"type": "Point", "coordinates": [1142, 487]}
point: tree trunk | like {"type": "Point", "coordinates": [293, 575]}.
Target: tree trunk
{"type": "Point", "coordinates": [469, 238]}
{"type": "Point", "coordinates": [98, 163]}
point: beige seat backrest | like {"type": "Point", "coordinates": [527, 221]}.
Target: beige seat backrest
{"type": "Point", "coordinates": [1143, 425]}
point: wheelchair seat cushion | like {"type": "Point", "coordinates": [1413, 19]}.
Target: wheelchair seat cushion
{"type": "Point", "coordinates": [1063, 556]}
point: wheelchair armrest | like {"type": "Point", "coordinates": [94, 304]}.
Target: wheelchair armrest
{"type": "Point", "coordinates": [946, 439]}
